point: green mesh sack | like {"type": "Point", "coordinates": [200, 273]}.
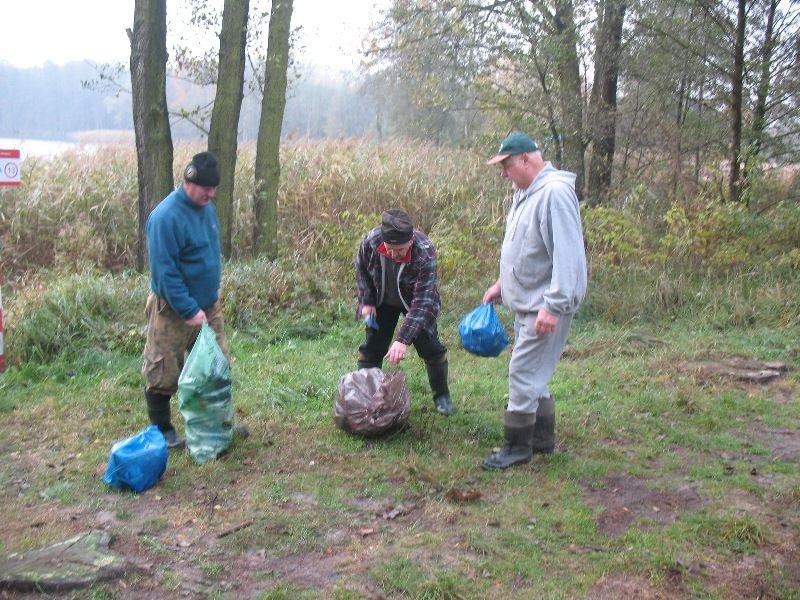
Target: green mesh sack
{"type": "Point", "coordinates": [204, 390]}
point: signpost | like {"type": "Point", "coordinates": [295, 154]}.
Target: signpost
{"type": "Point", "coordinates": [9, 167]}
{"type": "Point", "coordinates": [9, 176]}
{"type": "Point", "coordinates": [2, 352]}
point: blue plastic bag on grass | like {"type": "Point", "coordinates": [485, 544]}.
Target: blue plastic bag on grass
{"type": "Point", "coordinates": [204, 390]}
{"type": "Point", "coordinates": [137, 462]}
{"type": "Point", "coordinates": [482, 333]}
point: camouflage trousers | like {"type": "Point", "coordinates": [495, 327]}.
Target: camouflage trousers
{"type": "Point", "coordinates": [169, 338]}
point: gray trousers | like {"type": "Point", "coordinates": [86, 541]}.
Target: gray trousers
{"type": "Point", "coordinates": [533, 361]}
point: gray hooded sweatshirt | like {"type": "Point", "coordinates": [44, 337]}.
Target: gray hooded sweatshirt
{"type": "Point", "coordinates": [543, 263]}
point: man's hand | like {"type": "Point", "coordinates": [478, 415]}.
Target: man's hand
{"type": "Point", "coordinates": [493, 294]}
{"type": "Point", "coordinates": [367, 311]}
{"type": "Point", "coordinates": [396, 353]}
{"type": "Point", "coordinates": [545, 322]}
{"type": "Point", "coordinates": [197, 320]}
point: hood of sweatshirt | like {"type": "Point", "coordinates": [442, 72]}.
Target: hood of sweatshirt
{"type": "Point", "coordinates": [547, 175]}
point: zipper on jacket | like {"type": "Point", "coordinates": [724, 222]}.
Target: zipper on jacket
{"type": "Point", "coordinates": [399, 291]}
{"type": "Point", "coordinates": [383, 280]}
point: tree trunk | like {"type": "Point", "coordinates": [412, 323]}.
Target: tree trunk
{"type": "Point", "coordinates": [150, 118]}
{"type": "Point", "coordinates": [268, 166]}
{"type": "Point", "coordinates": [223, 132]}
{"type": "Point", "coordinates": [570, 91]}
{"type": "Point", "coordinates": [604, 99]}
{"type": "Point", "coordinates": [737, 83]}
{"type": "Point", "coordinates": [551, 118]}
{"type": "Point", "coordinates": [698, 158]}
{"type": "Point", "coordinates": [760, 110]}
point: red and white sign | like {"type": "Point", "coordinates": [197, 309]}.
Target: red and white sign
{"type": "Point", "coordinates": [2, 352]}
{"type": "Point", "coordinates": [9, 167]}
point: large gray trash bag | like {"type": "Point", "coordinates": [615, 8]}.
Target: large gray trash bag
{"type": "Point", "coordinates": [371, 402]}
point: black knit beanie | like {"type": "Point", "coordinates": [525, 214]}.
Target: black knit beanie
{"type": "Point", "coordinates": [396, 226]}
{"type": "Point", "coordinates": [203, 170]}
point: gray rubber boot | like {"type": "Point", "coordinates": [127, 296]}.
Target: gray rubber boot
{"type": "Point", "coordinates": [437, 377]}
{"type": "Point", "coordinates": [518, 449]}
{"type": "Point", "coordinates": [544, 431]}
{"type": "Point", "coordinates": [159, 413]}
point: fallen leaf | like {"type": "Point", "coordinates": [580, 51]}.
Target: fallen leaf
{"type": "Point", "coordinates": [401, 510]}
{"type": "Point", "coordinates": [365, 532]}
{"type": "Point", "coordinates": [456, 495]}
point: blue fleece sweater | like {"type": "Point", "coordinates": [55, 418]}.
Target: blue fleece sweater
{"type": "Point", "coordinates": [183, 242]}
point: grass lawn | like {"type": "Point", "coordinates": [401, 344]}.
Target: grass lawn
{"type": "Point", "coordinates": [671, 479]}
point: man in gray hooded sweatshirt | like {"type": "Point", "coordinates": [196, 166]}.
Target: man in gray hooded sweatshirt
{"type": "Point", "coordinates": [543, 280]}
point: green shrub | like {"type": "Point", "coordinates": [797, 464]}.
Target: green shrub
{"type": "Point", "coordinates": [611, 235]}
{"type": "Point", "coordinates": [707, 234]}
{"type": "Point", "coordinates": [74, 312]}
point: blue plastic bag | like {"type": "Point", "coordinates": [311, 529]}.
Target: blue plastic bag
{"type": "Point", "coordinates": [370, 321]}
{"type": "Point", "coordinates": [482, 333]}
{"type": "Point", "coordinates": [137, 462]}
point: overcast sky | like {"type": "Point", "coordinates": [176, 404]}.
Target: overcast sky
{"type": "Point", "coordinates": [33, 32]}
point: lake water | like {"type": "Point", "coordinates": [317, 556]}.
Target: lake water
{"type": "Point", "coordinates": [42, 148]}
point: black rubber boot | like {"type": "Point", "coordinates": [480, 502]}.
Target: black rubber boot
{"type": "Point", "coordinates": [544, 431]}
{"type": "Point", "coordinates": [369, 364]}
{"type": "Point", "coordinates": [159, 413]}
{"type": "Point", "coordinates": [437, 377]}
{"type": "Point", "coordinates": [173, 439]}
{"type": "Point", "coordinates": [518, 430]}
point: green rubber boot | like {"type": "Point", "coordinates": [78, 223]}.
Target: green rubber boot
{"type": "Point", "coordinates": [544, 431]}
{"type": "Point", "coordinates": [437, 377]}
{"type": "Point", "coordinates": [518, 449]}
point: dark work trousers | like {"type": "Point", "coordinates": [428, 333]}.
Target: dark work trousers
{"type": "Point", "coordinates": [377, 343]}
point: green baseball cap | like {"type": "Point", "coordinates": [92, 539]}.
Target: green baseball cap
{"type": "Point", "coordinates": [516, 143]}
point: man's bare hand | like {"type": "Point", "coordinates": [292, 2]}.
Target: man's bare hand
{"type": "Point", "coordinates": [493, 294]}
{"type": "Point", "coordinates": [197, 320]}
{"type": "Point", "coordinates": [545, 322]}
{"type": "Point", "coordinates": [396, 353]}
{"type": "Point", "coordinates": [367, 310]}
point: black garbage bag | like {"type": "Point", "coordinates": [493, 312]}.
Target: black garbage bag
{"type": "Point", "coordinates": [372, 402]}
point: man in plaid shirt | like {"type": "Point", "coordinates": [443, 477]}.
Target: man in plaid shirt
{"type": "Point", "coordinates": [396, 273]}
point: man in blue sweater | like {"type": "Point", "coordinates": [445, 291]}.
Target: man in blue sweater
{"type": "Point", "coordinates": [185, 272]}
{"type": "Point", "coordinates": [543, 280]}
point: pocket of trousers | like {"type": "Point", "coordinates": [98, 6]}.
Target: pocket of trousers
{"type": "Point", "coordinates": [152, 367]}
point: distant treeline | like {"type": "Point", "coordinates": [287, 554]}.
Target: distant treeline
{"type": "Point", "coordinates": [51, 102]}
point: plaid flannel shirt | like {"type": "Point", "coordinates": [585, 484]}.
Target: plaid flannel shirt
{"type": "Point", "coordinates": [418, 286]}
